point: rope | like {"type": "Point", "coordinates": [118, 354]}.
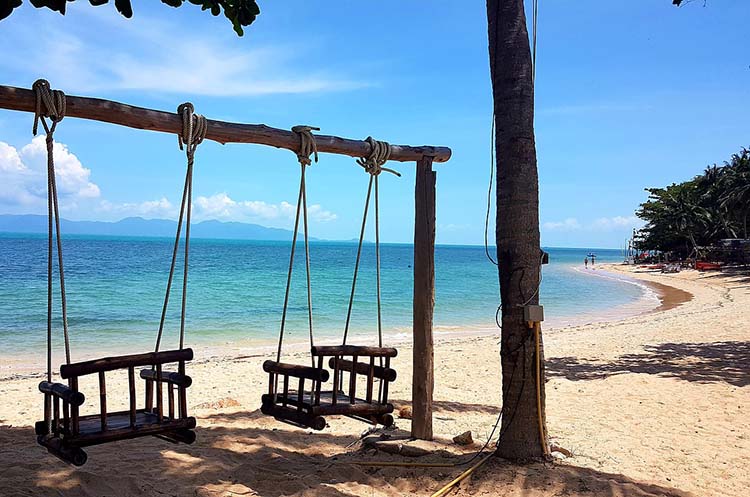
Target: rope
{"type": "Point", "coordinates": [194, 127]}
{"type": "Point", "coordinates": [308, 147]}
{"type": "Point", "coordinates": [51, 104]}
{"type": "Point", "coordinates": [380, 152]}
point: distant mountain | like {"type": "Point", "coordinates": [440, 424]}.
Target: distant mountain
{"type": "Point", "coordinates": [137, 226]}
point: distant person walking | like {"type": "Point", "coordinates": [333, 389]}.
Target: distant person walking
{"type": "Point", "coordinates": [586, 262]}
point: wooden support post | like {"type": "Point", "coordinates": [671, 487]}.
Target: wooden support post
{"type": "Point", "coordinates": [424, 299]}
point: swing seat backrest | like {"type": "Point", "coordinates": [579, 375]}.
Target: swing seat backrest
{"type": "Point", "coordinates": [70, 431]}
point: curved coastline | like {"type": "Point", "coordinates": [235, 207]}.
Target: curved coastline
{"type": "Point", "coordinates": [668, 297]}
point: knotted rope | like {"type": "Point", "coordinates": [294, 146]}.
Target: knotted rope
{"type": "Point", "coordinates": [194, 127]}
{"type": "Point", "coordinates": [50, 104]}
{"type": "Point", "coordinates": [380, 152]}
{"type": "Point", "coordinates": [307, 147]}
{"type": "Point", "coordinates": [307, 144]}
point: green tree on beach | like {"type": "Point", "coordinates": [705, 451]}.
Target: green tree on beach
{"type": "Point", "coordinates": [684, 216]}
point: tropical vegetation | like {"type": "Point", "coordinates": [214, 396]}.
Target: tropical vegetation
{"type": "Point", "coordinates": [712, 206]}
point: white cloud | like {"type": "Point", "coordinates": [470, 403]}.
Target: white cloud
{"type": "Point", "coordinates": [154, 209]}
{"type": "Point", "coordinates": [195, 63]}
{"type": "Point", "coordinates": [24, 175]}
{"type": "Point", "coordinates": [617, 222]}
{"type": "Point", "coordinates": [599, 224]}
{"type": "Point", "coordinates": [569, 224]}
{"type": "Point", "coordinates": [595, 108]}
{"type": "Point", "coordinates": [221, 206]}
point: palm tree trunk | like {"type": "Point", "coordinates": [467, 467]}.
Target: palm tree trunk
{"type": "Point", "coordinates": [517, 224]}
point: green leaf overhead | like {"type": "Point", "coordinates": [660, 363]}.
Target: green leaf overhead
{"type": "Point", "coordinates": [241, 13]}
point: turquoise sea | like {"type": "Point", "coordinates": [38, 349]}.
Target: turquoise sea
{"type": "Point", "coordinates": [115, 289]}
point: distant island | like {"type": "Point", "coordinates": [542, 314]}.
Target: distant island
{"type": "Point", "coordinates": [138, 226]}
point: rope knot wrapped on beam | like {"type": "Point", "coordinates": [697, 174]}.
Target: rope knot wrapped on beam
{"type": "Point", "coordinates": [194, 127]}
{"type": "Point", "coordinates": [380, 152]}
{"type": "Point", "coordinates": [49, 103]}
{"type": "Point", "coordinates": [307, 144]}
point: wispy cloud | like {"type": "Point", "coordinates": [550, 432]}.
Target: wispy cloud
{"type": "Point", "coordinates": [569, 224]}
{"type": "Point", "coordinates": [594, 108]}
{"type": "Point", "coordinates": [222, 206]}
{"type": "Point", "coordinates": [600, 224]}
{"type": "Point", "coordinates": [158, 56]}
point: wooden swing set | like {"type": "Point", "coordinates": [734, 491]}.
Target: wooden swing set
{"type": "Point", "coordinates": [64, 432]}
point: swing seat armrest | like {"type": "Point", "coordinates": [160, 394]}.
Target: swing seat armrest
{"type": "Point", "coordinates": [174, 378]}
{"type": "Point", "coordinates": [295, 370]}
{"type": "Point", "coordinates": [63, 392]}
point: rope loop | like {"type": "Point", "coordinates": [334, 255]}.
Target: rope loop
{"type": "Point", "coordinates": [194, 128]}
{"type": "Point", "coordinates": [307, 144]}
{"type": "Point", "coordinates": [380, 152]}
{"type": "Point", "coordinates": [49, 103]}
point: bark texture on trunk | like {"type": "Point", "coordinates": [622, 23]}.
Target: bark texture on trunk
{"type": "Point", "coordinates": [517, 224]}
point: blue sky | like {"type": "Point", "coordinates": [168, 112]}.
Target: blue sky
{"type": "Point", "coordinates": [629, 95]}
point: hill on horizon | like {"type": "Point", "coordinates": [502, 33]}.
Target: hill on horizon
{"type": "Point", "coordinates": [138, 226]}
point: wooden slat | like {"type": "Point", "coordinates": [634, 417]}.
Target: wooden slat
{"type": "Point", "coordinates": [385, 383]}
{"type": "Point", "coordinates": [159, 395]}
{"type": "Point", "coordinates": [352, 380]}
{"type": "Point", "coordinates": [168, 377]}
{"type": "Point", "coordinates": [125, 361]}
{"type": "Point", "coordinates": [364, 369]}
{"type": "Point", "coordinates": [318, 383]}
{"type": "Point", "coordinates": [301, 393]}
{"type": "Point", "coordinates": [295, 370]}
{"type": "Point", "coordinates": [119, 428]}
{"type": "Point", "coordinates": [56, 416]}
{"type": "Point", "coordinates": [170, 399]}
{"type": "Point", "coordinates": [286, 389]}
{"type": "Point", "coordinates": [96, 109]}
{"type": "Point", "coordinates": [336, 385]}
{"type": "Point", "coordinates": [73, 384]}
{"type": "Point", "coordinates": [149, 401]}
{"type": "Point", "coordinates": [352, 350]}
{"type": "Point", "coordinates": [103, 400]}
{"type": "Point", "coordinates": [131, 388]}
{"type": "Point", "coordinates": [182, 391]}
{"type": "Point", "coordinates": [370, 380]}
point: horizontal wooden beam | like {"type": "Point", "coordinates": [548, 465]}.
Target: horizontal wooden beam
{"type": "Point", "coordinates": [97, 109]}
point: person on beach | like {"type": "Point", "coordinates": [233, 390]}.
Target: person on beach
{"type": "Point", "coordinates": [586, 262]}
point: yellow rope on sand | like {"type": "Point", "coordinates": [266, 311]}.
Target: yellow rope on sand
{"type": "Point", "coordinates": [447, 488]}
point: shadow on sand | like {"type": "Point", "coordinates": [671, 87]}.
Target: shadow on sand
{"type": "Point", "coordinates": [243, 453]}
{"type": "Point", "coordinates": [714, 362]}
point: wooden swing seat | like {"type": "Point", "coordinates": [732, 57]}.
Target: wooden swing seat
{"type": "Point", "coordinates": [308, 407]}
{"type": "Point", "coordinates": [70, 431]}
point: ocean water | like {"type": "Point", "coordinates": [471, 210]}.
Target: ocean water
{"type": "Point", "coordinates": [115, 288]}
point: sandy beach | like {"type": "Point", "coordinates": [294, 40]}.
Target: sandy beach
{"type": "Point", "coordinates": [655, 404]}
